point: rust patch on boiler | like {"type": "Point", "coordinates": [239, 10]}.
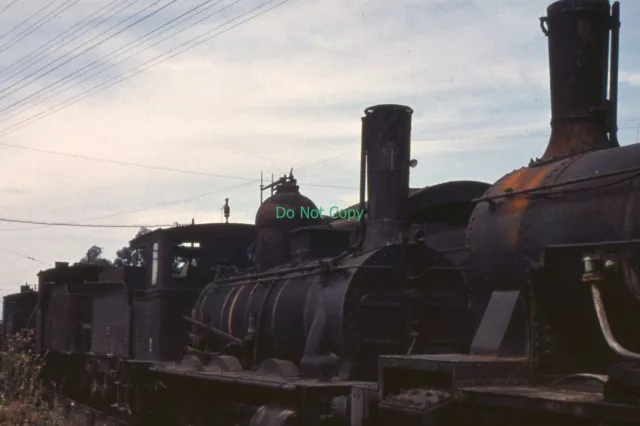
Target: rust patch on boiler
{"type": "Point", "coordinates": [515, 207]}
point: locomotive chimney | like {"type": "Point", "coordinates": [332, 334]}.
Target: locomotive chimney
{"type": "Point", "coordinates": [582, 118]}
{"type": "Point", "coordinates": [387, 141]}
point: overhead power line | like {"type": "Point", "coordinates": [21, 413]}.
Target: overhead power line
{"type": "Point", "coordinates": [75, 30]}
{"type": "Point", "coordinates": [119, 78]}
{"type": "Point", "coordinates": [15, 27]}
{"type": "Point", "coordinates": [15, 253]}
{"type": "Point", "coordinates": [25, 83]}
{"type": "Point", "coordinates": [249, 179]}
{"type": "Point", "coordinates": [123, 163]}
{"type": "Point", "coordinates": [125, 212]}
{"type": "Point", "coordinates": [8, 6]}
{"type": "Point", "coordinates": [178, 201]}
{"type": "Point", "coordinates": [79, 225]}
{"type": "Point", "coordinates": [39, 23]}
{"type": "Point", "coordinates": [49, 91]}
{"type": "Point", "coordinates": [148, 166]}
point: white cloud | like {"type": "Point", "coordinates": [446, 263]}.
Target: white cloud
{"type": "Point", "coordinates": [632, 78]}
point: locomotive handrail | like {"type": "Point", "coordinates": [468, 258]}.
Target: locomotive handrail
{"type": "Point", "coordinates": [215, 331]}
{"type": "Point", "coordinates": [327, 265]}
{"type": "Point", "coordinates": [588, 376]}
{"type": "Point", "coordinates": [557, 185]}
{"type": "Point", "coordinates": [252, 279]}
{"type": "Point", "coordinates": [599, 244]}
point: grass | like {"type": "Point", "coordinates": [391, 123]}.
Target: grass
{"type": "Point", "coordinates": [22, 395]}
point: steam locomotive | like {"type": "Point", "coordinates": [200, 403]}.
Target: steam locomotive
{"type": "Point", "coordinates": [462, 303]}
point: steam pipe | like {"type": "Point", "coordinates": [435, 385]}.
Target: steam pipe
{"type": "Point", "coordinates": [601, 314]}
{"type": "Point", "coordinates": [214, 331]}
{"type": "Point", "coordinates": [613, 77]}
{"type": "Point", "coordinates": [363, 182]}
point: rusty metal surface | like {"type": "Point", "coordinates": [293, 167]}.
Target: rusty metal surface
{"type": "Point", "coordinates": [578, 35]}
{"type": "Point", "coordinates": [506, 235]}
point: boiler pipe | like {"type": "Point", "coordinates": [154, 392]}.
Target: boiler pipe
{"type": "Point", "coordinates": [613, 77]}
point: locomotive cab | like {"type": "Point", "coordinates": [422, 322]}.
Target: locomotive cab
{"type": "Point", "coordinates": [18, 312]}
{"type": "Point", "coordinates": [179, 262]}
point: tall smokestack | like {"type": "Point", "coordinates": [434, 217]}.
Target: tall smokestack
{"type": "Point", "coordinates": [582, 118]}
{"type": "Point", "coordinates": [387, 140]}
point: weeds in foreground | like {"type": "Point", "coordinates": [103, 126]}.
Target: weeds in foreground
{"type": "Point", "coordinates": [21, 392]}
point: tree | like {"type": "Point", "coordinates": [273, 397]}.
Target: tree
{"type": "Point", "coordinates": [94, 257]}
{"type": "Point", "coordinates": [127, 256]}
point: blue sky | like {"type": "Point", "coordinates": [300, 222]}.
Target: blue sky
{"type": "Point", "coordinates": [286, 89]}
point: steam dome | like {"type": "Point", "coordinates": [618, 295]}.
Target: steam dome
{"type": "Point", "coordinates": [284, 211]}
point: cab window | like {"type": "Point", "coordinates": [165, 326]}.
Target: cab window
{"type": "Point", "coordinates": [154, 264]}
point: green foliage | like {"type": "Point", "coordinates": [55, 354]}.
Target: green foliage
{"type": "Point", "coordinates": [94, 257]}
{"type": "Point", "coordinates": [127, 256]}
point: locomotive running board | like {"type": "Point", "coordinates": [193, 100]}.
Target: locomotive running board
{"type": "Point", "coordinates": [553, 401]}
{"type": "Point", "coordinates": [257, 380]}
{"type": "Point", "coordinates": [450, 371]}
{"type": "Point", "coordinates": [482, 382]}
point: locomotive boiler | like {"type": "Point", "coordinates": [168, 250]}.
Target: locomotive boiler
{"type": "Point", "coordinates": [583, 193]}
{"type": "Point", "coordinates": [334, 313]}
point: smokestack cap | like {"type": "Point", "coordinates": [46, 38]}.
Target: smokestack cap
{"type": "Point", "coordinates": [573, 5]}
{"type": "Point", "coordinates": [387, 108]}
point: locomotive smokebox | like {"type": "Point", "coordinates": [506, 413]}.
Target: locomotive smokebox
{"type": "Point", "coordinates": [387, 141]}
{"type": "Point", "coordinates": [581, 114]}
